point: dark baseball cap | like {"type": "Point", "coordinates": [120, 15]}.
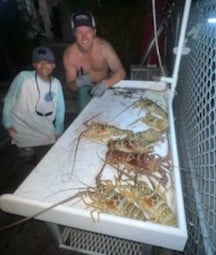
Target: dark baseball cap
{"type": "Point", "coordinates": [82, 18]}
{"type": "Point", "coordinates": [43, 53]}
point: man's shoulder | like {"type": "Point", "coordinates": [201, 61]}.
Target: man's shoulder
{"type": "Point", "coordinates": [102, 43]}
{"type": "Point", "coordinates": [70, 53]}
{"type": "Point", "coordinates": [70, 48]}
{"type": "Point", "coordinates": [100, 40]}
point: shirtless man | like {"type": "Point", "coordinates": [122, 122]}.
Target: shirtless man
{"type": "Point", "coordinates": [91, 63]}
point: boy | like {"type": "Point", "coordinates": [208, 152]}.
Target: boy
{"type": "Point", "coordinates": [34, 107]}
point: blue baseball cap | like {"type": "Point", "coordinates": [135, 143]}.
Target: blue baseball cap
{"type": "Point", "coordinates": [43, 53]}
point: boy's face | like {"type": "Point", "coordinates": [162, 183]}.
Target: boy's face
{"type": "Point", "coordinates": [44, 69]}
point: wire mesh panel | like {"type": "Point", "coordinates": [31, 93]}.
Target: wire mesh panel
{"type": "Point", "coordinates": [195, 114]}
{"type": "Point", "coordinates": [98, 244]}
{"type": "Point", "coordinates": [138, 72]}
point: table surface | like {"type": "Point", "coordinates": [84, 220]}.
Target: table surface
{"type": "Point", "coordinates": [68, 169]}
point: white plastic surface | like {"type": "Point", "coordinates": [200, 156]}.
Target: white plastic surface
{"type": "Point", "coordinates": [53, 180]}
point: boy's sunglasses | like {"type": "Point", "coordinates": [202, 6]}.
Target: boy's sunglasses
{"type": "Point", "coordinates": [43, 114]}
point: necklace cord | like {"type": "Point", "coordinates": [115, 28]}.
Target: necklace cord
{"type": "Point", "coordinates": [39, 96]}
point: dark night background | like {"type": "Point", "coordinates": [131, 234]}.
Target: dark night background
{"type": "Point", "coordinates": [121, 22]}
{"type": "Point", "coordinates": [126, 24]}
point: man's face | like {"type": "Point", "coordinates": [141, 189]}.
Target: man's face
{"type": "Point", "coordinates": [84, 36]}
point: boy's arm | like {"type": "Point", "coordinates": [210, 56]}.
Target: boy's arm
{"type": "Point", "coordinates": [60, 112]}
{"type": "Point", "coordinates": [10, 100]}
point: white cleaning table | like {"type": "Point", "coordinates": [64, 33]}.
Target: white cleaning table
{"type": "Point", "coordinates": [56, 177]}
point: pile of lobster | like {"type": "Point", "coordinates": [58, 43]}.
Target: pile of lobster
{"type": "Point", "coordinates": [142, 177]}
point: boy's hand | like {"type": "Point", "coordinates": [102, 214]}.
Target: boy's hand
{"type": "Point", "coordinates": [57, 137]}
{"type": "Point", "coordinates": [11, 132]}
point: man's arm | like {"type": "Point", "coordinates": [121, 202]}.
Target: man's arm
{"type": "Point", "coordinates": [70, 70]}
{"type": "Point", "coordinates": [117, 70]}
{"type": "Point", "coordinates": [115, 66]}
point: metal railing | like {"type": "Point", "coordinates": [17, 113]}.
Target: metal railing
{"type": "Point", "coordinates": [194, 108]}
{"type": "Point", "coordinates": [195, 114]}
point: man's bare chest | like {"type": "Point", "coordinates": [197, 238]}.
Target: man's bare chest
{"type": "Point", "coordinates": [92, 63]}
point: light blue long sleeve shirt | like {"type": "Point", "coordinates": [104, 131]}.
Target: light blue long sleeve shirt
{"type": "Point", "coordinates": [22, 98]}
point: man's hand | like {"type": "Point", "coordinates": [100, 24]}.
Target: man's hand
{"type": "Point", "coordinates": [99, 89]}
{"type": "Point", "coordinates": [82, 79]}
